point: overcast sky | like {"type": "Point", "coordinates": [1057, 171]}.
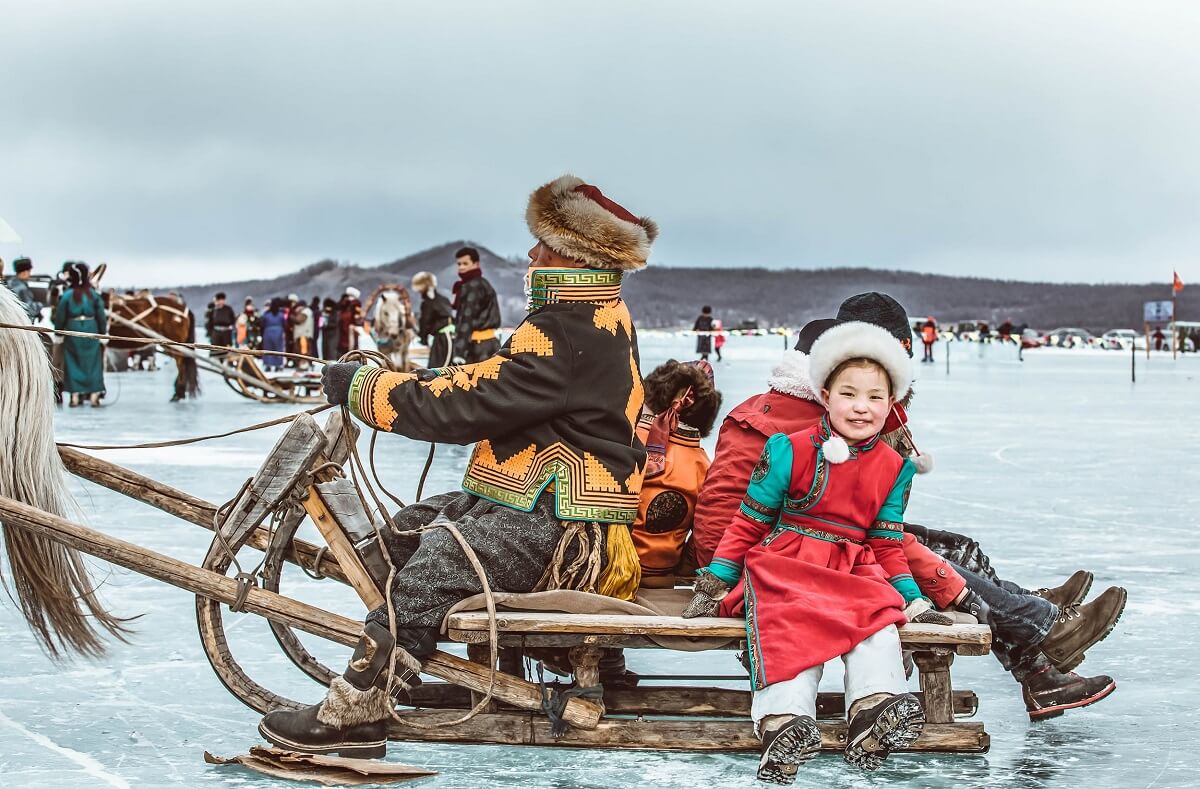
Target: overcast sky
{"type": "Point", "coordinates": [191, 141]}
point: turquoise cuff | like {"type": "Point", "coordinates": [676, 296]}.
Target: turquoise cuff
{"type": "Point", "coordinates": [907, 587]}
{"type": "Point", "coordinates": [724, 569]}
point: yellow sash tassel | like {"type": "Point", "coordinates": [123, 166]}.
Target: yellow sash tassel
{"type": "Point", "coordinates": [623, 573]}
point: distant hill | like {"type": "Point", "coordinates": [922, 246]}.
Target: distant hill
{"type": "Point", "coordinates": [669, 296]}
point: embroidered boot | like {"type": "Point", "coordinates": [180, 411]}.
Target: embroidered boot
{"type": "Point", "coordinates": [1080, 627]}
{"type": "Point", "coordinates": [353, 719]}
{"type": "Point", "coordinates": [1071, 592]}
{"type": "Point", "coordinates": [893, 723]}
{"type": "Point", "coordinates": [1049, 693]}
{"type": "Point", "coordinates": [787, 746]}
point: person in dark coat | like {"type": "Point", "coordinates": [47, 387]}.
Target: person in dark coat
{"type": "Point", "coordinates": [436, 325]}
{"type": "Point", "coordinates": [570, 412]}
{"type": "Point", "coordinates": [19, 285]}
{"type": "Point", "coordinates": [349, 318]}
{"type": "Point", "coordinates": [704, 323]}
{"type": "Point", "coordinates": [330, 333]}
{"type": "Point", "coordinates": [219, 323]}
{"type": "Point", "coordinates": [314, 307]}
{"type": "Point", "coordinates": [476, 311]}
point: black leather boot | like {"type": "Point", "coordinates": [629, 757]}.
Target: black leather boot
{"type": "Point", "coordinates": [1049, 693]}
{"type": "Point", "coordinates": [352, 721]}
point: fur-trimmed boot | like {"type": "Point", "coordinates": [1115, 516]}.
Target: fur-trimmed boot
{"type": "Point", "coordinates": [353, 719]}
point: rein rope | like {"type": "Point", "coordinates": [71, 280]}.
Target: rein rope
{"type": "Point", "coordinates": [196, 346]}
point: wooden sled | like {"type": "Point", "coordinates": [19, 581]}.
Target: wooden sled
{"type": "Point", "coordinates": [243, 375]}
{"type": "Point", "coordinates": [302, 478]}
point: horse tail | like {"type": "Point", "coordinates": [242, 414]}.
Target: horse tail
{"type": "Point", "coordinates": [48, 581]}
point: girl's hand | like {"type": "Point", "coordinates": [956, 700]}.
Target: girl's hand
{"type": "Point", "coordinates": [710, 590]}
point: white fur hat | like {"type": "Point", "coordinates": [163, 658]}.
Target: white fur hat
{"type": "Point", "coordinates": [353, 292]}
{"type": "Point", "coordinates": [854, 340]}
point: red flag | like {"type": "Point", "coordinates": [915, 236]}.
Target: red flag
{"type": "Point", "coordinates": [1177, 285]}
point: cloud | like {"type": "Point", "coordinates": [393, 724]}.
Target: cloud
{"type": "Point", "coordinates": [1031, 140]}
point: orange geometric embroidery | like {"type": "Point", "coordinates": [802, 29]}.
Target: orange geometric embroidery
{"type": "Point", "coordinates": [466, 377]}
{"type": "Point", "coordinates": [597, 477]}
{"type": "Point", "coordinates": [530, 339]}
{"type": "Point", "coordinates": [637, 394]}
{"type": "Point", "coordinates": [517, 466]}
{"type": "Point", "coordinates": [381, 404]}
{"type": "Point", "coordinates": [611, 315]}
{"type": "Point", "coordinates": [633, 483]}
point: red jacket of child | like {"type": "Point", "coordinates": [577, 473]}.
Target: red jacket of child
{"type": "Point", "coordinates": [788, 406]}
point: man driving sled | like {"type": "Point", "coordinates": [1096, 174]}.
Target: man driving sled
{"type": "Point", "coordinates": [556, 470]}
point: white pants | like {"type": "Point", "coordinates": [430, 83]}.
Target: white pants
{"type": "Point", "coordinates": [874, 666]}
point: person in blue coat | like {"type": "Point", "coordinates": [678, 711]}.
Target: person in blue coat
{"type": "Point", "coordinates": [274, 325]}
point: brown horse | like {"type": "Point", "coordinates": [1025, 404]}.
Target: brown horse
{"type": "Point", "coordinates": [165, 315]}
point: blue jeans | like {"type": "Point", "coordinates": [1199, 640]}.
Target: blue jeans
{"type": "Point", "coordinates": [1020, 622]}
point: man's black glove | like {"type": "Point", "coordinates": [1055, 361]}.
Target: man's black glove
{"type": "Point", "coordinates": [336, 379]}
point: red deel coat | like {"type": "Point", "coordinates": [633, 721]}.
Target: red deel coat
{"type": "Point", "coordinates": [740, 442]}
{"type": "Point", "coordinates": [815, 555]}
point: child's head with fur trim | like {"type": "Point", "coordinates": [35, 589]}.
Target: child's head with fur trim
{"type": "Point", "coordinates": [860, 368]}
{"type": "Point", "coordinates": [858, 397]}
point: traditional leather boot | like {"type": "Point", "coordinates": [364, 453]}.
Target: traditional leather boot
{"type": "Point", "coordinates": [1079, 627]}
{"type": "Point", "coordinates": [786, 747]}
{"type": "Point", "coordinates": [1049, 693]}
{"type": "Point", "coordinates": [613, 672]}
{"type": "Point", "coordinates": [896, 722]}
{"type": "Point", "coordinates": [1071, 592]}
{"type": "Point", "coordinates": [352, 720]}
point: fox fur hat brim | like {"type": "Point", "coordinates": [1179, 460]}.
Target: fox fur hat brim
{"type": "Point", "coordinates": [571, 218]}
{"type": "Point", "coordinates": [858, 340]}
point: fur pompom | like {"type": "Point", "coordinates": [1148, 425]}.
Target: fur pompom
{"type": "Point", "coordinates": [836, 450]}
{"type": "Point", "coordinates": [923, 462]}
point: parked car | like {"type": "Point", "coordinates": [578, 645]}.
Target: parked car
{"type": "Point", "coordinates": [1122, 340]}
{"type": "Point", "coordinates": [1032, 339]}
{"type": "Point", "coordinates": [967, 331]}
{"type": "Point", "coordinates": [1070, 338]}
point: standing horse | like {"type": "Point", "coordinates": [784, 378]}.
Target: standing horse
{"type": "Point", "coordinates": [49, 581]}
{"type": "Point", "coordinates": [165, 315]}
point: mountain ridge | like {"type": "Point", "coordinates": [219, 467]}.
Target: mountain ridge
{"type": "Point", "coordinates": [671, 296]}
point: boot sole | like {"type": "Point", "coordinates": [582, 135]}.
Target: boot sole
{"type": "Point", "coordinates": [792, 748]}
{"type": "Point", "coordinates": [897, 728]}
{"type": "Point", "coordinates": [1072, 661]}
{"type": "Point", "coordinates": [1045, 713]}
{"type": "Point", "coordinates": [350, 750]}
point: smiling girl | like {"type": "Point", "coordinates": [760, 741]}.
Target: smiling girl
{"type": "Point", "coordinates": [813, 561]}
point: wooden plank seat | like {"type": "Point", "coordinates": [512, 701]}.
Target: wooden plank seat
{"type": "Point", "coordinates": [648, 716]}
{"type": "Point", "coordinates": [523, 628]}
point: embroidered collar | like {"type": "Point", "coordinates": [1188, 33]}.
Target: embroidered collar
{"type": "Point", "coordinates": [555, 285]}
{"type": "Point", "coordinates": [826, 432]}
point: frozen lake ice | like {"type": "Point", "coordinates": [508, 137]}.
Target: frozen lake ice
{"type": "Point", "coordinates": [1053, 464]}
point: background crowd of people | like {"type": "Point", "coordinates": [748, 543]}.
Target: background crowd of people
{"type": "Point", "coordinates": [464, 330]}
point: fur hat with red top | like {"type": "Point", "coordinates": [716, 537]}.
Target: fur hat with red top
{"type": "Point", "coordinates": [577, 221]}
